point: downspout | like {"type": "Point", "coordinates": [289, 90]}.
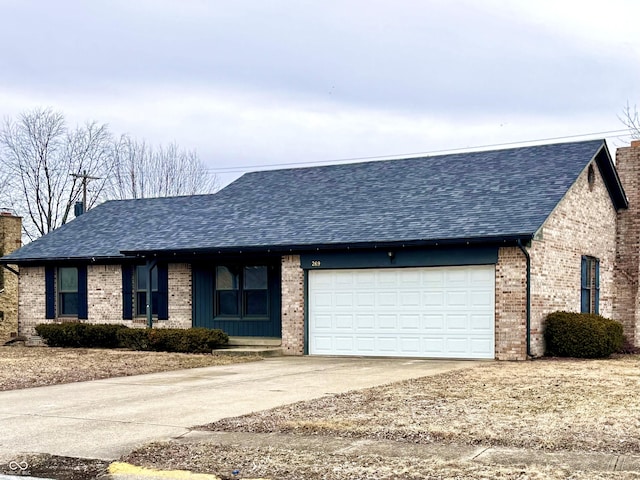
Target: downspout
{"type": "Point", "coordinates": [528, 306]}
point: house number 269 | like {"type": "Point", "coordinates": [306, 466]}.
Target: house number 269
{"type": "Point", "coordinates": [315, 263]}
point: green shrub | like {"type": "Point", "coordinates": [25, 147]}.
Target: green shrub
{"type": "Point", "coordinates": [193, 340]}
{"type": "Point", "coordinates": [85, 335]}
{"type": "Point", "coordinates": [582, 335]}
{"type": "Point", "coordinates": [80, 335]}
{"type": "Point", "coordinates": [133, 338]}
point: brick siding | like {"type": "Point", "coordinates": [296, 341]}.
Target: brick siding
{"type": "Point", "coordinates": [511, 304]}
{"type": "Point", "coordinates": [292, 306]}
{"type": "Point", "coordinates": [10, 240]}
{"type": "Point", "coordinates": [104, 297]}
{"type": "Point", "coordinates": [627, 272]}
{"type": "Point", "coordinates": [583, 223]}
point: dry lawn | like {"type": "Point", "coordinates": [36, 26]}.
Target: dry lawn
{"type": "Point", "coordinates": [283, 463]}
{"type": "Point", "coordinates": [586, 405]}
{"type": "Point", "coordinates": [26, 367]}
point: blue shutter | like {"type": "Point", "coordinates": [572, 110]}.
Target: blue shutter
{"type": "Point", "coordinates": [163, 291]}
{"type": "Point", "coordinates": [127, 292]}
{"type": "Point", "coordinates": [584, 298]}
{"type": "Point", "coordinates": [50, 292]}
{"type": "Point", "coordinates": [83, 308]}
{"type": "Point", "coordinates": [597, 309]}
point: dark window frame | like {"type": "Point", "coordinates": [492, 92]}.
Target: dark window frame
{"type": "Point", "coordinates": [590, 285]}
{"type": "Point", "coordinates": [64, 297]}
{"type": "Point", "coordinates": [238, 294]}
{"type": "Point", "coordinates": [140, 293]}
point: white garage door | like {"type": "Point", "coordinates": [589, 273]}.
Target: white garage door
{"type": "Point", "coordinates": [434, 312]}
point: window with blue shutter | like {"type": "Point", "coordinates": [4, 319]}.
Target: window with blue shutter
{"type": "Point", "coordinates": [50, 292]}
{"type": "Point", "coordinates": [66, 292]}
{"type": "Point", "coordinates": [83, 307]}
{"type": "Point", "coordinates": [590, 285]}
{"type": "Point", "coordinates": [127, 292]}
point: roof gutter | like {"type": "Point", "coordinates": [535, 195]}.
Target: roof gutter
{"type": "Point", "coordinates": [493, 240]}
{"type": "Point", "coordinates": [528, 301]}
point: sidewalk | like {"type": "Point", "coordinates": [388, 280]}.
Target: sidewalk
{"type": "Point", "coordinates": [577, 461]}
{"type": "Point", "coordinates": [585, 461]}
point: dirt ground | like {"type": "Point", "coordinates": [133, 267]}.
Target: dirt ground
{"type": "Point", "coordinates": [550, 405]}
{"type": "Point", "coordinates": [26, 367]}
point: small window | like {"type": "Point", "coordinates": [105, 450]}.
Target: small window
{"type": "Point", "coordinates": [67, 291]}
{"type": "Point", "coordinates": [140, 284]}
{"type": "Point", "coordinates": [590, 292]}
{"type": "Point", "coordinates": [242, 292]}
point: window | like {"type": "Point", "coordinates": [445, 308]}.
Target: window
{"type": "Point", "coordinates": [141, 290]}
{"type": "Point", "coordinates": [134, 291]}
{"type": "Point", "coordinates": [67, 291]}
{"type": "Point", "coordinates": [242, 291]}
{"type": "Point", "coordinates": [590, 291]}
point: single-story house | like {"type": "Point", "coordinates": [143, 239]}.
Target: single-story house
{"type": "Point", "coordinates": [451, 256]}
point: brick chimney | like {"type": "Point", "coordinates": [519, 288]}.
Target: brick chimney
{"type": "Point", "coordinates": [10, 240]}
{"type": "Point", "coordinates": [626, 307]}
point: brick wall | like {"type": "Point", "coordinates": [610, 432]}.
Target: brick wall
{"type": "Point", "coordinates": [627, 303]}
{"type": "Point", "coordinates": [10, 240]}
{"type": "Point", "coordinates": [31, 302]}
{"type": "Point", "coordinates": [104, 297]}
{"type": "Point", "coordinates": [180, 296]}
{"type": "Point", "coordinates": [511, 304]}
{"type": "Point", "coordinates": [583, 223]}
{"type": "Point", "coordinates": [292, 306]}
{"type": "Point", "coordinates": [104, 293]}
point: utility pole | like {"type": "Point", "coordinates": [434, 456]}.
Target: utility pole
{"type": "Point", "coordinates": [85, 179]}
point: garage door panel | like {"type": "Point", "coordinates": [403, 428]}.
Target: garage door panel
{"type": "Point", "coordinates": [410, 299]}
{"type": "Point", "coordinates": [365, 299]}
{"type": "Point", "coordinates": [323, 300]}
{"type": "Point", "coordinates": [323, 322]}
{"type": "Point", "coordinates": [387, 345]}
{"type": "Point", "coordinates": [457, 299]}
{"type": "Point", "coordinates": [433, 299]}
{"type": "Point", "coordinates": [434, 323]}
{"type": "Point", "coordinates": [457, 323]}
{"type": "Point", "coordinates": [409, 322]}
{"type": "Point", "coordinates": [387, 299]}
{"type": "Point", "coordinates": [344, 299]}
{"type": "Point", "coordinates": [434, 346]}
{"type": "Point", "coordinates": [322, 344]}
{"type": "Point", "coordinates": [365, 321]}
{"type": "Point", "coordinates": [365, 345]}
{"type": "Point", "coordinates": [445, 312]}
{"type": "Point", "coordinates": [344, 322]}
{"type": "Point", "coordinates": [387, 321]}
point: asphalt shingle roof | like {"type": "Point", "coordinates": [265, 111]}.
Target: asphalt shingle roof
{"type": "Point", "coordinates": [490, 194]}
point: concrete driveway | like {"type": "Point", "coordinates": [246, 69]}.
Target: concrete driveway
{"type": "Point", "coordinates": [105, 419]}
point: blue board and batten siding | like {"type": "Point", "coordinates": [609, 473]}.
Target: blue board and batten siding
{"type": "Point", "coordinates": [204, 306]}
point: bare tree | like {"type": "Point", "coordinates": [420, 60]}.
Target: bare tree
{"type": "Point", "coordinates": [142, 171]}
{"type": "Point", "coordinates": [38, 155]}
{"type": "Point", "coordinates": [631, 120]}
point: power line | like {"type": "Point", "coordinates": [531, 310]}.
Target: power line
{"type": "Point", "coordinates": [237, 169]}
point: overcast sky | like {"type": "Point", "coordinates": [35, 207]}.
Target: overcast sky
{"type": "Point", "coordinates": [263, 82]}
